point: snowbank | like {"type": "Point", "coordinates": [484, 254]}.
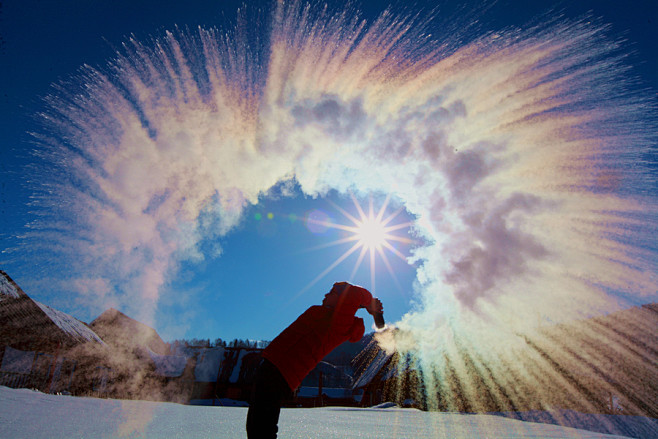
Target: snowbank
{"type": "Point", "coordinates": [24, 413]}
{"type": "Point", "coordinates": [632, 426]}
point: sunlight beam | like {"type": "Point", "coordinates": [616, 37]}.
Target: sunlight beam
{"type": "Point", "coordinates": [340, 259]}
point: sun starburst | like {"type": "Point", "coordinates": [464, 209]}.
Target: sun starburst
{"type": "Point", "coordinates": [370, 234]}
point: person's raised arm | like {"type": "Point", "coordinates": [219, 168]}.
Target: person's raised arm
{"type": "Point", "coordinates": [375, 306]}
{"type": "Point", "coordinates": [356, 297]}
{"type": "Point", "coordinates": [371, 304]}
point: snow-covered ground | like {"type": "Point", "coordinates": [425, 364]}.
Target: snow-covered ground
{"type": "Point", "coordinates": [28, 414]}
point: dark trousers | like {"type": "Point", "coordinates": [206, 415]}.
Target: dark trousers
{"type": "Point", "coordinates": [270, 391]}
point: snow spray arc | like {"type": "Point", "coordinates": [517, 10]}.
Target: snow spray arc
{"type": "Point", "coordinates": [515, 150]}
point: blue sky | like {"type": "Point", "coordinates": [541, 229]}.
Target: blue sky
{"type": "Point", "coordinates": [251, 282]}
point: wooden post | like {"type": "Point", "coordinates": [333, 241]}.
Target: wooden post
{"type": "Point", "coordinates": [219, 372]}
{"type": "Point", "coordinates": [34, 362]}
{"type": "Point", "coordinates": [51, 372]}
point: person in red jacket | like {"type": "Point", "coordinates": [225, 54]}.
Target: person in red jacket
{"type": "Point", "coordinates": [300, 347]}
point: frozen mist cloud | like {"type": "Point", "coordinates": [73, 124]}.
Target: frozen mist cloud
{"type": "Point", "coordinates": [501, 147]}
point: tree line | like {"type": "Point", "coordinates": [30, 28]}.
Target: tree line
{"type": "Point", "coordinates": [217, 343]}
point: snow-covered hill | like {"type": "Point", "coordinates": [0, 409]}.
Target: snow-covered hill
{"type": "Point", "coordinates": [28, 414]}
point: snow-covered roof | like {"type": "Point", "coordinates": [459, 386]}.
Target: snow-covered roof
{"type": "Point", "coordinates": [7, 288]}
{"type": "Point", "coordinates": [117, 329]}
{"type": "Point", "coordinates": [229, 362]}
{"type": "Point", "coordinates": [404, 364]}
{"type": "Point", "coordinates": [235, 374]}
{"type": "Point", "coordinates": [207, 364]}
{"type": "Point", "coordinates": [373, 368]}
{"type": "Point", "coordinates": [168, 365]}
{"type": "Point", "coordinates": [35, 317]}
{"type": "Point", "coordinates": [331, 392]}
{"type": "Point", "coordinates": [70, 325]}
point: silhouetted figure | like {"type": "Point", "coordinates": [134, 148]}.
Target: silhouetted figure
{"type": "Point", "coordinates": [300, 347]}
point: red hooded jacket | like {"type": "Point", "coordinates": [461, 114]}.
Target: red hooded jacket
{"type": "Point", "coordinates": [320, 329]}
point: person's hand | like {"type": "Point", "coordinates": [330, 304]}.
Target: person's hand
{"type": "Point", "coordinates": [375, 306]}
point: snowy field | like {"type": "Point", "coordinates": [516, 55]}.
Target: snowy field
{"type": "Point", "coordinates": [28, 414]}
